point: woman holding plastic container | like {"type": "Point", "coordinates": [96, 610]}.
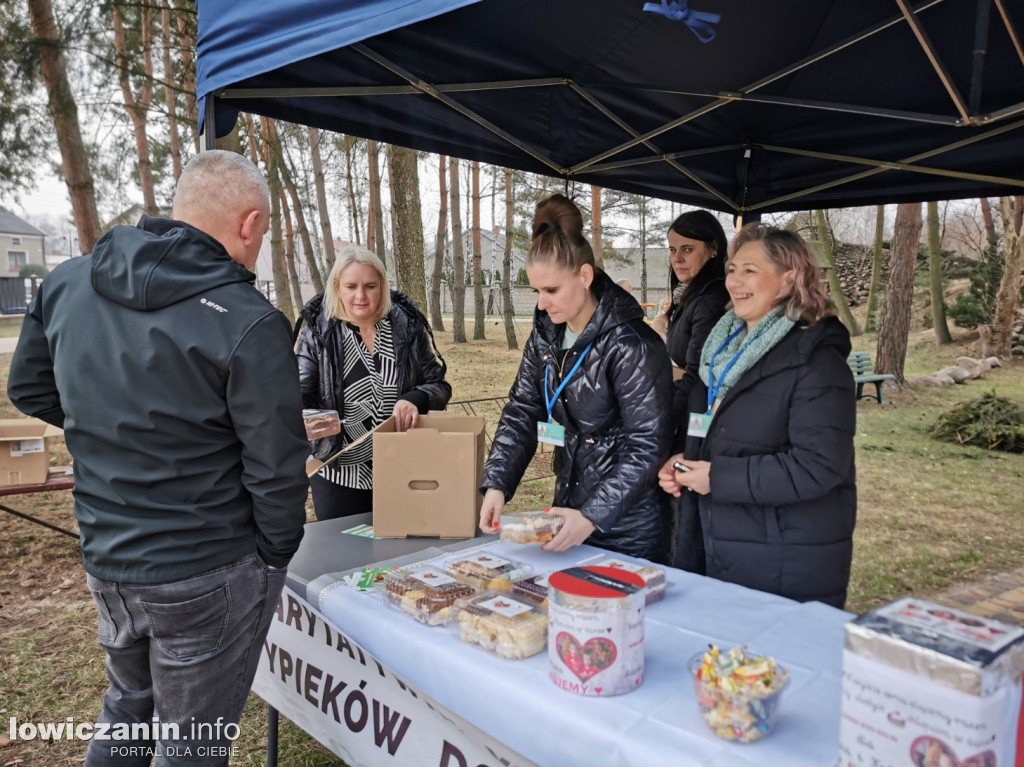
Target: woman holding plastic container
{"type": "Point", "coordinates": [595, 383]}
{"type": "Point", "coordinates": [768, 460]}
{"type": "Point", "coordinates": [367, 352]}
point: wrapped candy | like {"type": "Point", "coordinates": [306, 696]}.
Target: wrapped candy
{"type": "Point", "coordinates": [737, 693]}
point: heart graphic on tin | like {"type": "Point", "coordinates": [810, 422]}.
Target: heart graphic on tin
{"type": "Point", "coordinates": [928, 751]}
{"type": "Point", "coordinates": [586, 659]}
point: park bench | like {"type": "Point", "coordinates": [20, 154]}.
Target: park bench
{"type": "Point", "coordinates": [864, 373]}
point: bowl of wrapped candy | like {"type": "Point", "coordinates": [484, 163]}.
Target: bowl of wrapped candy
{"type": "Point", "coordinates": [737, 693]}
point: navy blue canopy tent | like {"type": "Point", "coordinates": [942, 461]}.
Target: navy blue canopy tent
{"type": "Point", "coordinates": [737, 105]}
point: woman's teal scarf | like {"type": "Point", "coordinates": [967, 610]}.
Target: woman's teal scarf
{"type": "Point", "coordinates": [772, 328]}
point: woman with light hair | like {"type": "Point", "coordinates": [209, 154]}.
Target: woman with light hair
{"type": "Point", "coordinates": [765, 456]}
{"type": "Point", "coordinates": [366, 351]}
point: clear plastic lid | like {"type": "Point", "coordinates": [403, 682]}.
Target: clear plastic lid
{"type": "Point", "coordinates": [533, 590]}
{"type": "Point", "coordinates": [483, 570]}
{"type": "Point", "coordinates": [321, 423]}
{"type": "Point", "coordinates": [427, 593]}
{"type": "Point", "coordinates": [529, 526]}
{"type": "Point", "coordinates": [653, 577]}
{"type": "Point", "coordinates": [504, 625]}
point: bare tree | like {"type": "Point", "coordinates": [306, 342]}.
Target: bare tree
{"type": "Point", "coordinates": [894, 328]}
{"type": "Point", "coordinates": [64, 112]}
{"type": "Point", "coordinates": [407, 222]}
{"type": "Point", "coordinates": [137, 105]}
{"type": "Point", "coordinates": [595, 225]}
{"type": "Point", "coordinates": [321, 196]}
{"type": "Point", "coordinates": [346, 143]}
{"type": "Point", "coordinates": [506, 266]}
{"type": "Point", "coordinates": [942, 335]}
{"type": "Point", "coordinates": [458, 261]}
{"type": "Point", "coordinates": [375, 216]}
{"type": "Point", "coordinates": [875, 292]}
{"type": "Point", "coordinates": [186, 13]}
{"type": "Point", "coordinates": [479, 319]}
{"type": "Point", "coordinates": [436, 318]}
{"type": "Point", "coordinates": [276, 147]}
{"type": "Point", "coordinates": [1008, 295]}
{"type": "Point", "coordinates": [835, 287]}
{"type": "Point", "coordinates": [277, 254]}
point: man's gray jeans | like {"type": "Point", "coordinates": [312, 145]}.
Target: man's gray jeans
{"type": "Point", "coordinates": [185, 654]}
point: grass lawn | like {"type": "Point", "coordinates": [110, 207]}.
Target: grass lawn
{"type": "Point", "coordinates": [931, 515]}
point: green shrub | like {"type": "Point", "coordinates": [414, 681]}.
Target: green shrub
{"type": "Point", "coordinates": [991, 422]}
{"type": "Point", "coordinates": [33, 270]}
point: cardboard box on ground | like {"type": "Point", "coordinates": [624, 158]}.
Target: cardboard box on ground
{"type": "Point", "coordinates": [426, 480]}
{"type": "Point", "coordinates": [25, 450]}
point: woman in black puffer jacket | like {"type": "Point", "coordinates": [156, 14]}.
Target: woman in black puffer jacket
{"type": "Point", "coordinates": [367, 352]}
{"type": "Point", "coordinates": [614, 408]}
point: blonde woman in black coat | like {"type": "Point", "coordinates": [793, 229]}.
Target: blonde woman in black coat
{"type": "Point", "coordinates": [768, 462]}
{"type": "Point", "coordinates": [595, 380]}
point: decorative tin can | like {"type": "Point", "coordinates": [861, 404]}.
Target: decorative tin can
{"type": "Point", "coordinates": [596, 630]}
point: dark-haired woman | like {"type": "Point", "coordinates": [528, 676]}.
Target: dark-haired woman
{"type": "Point", "coordinates": [595, 382]}
{"type": "Point", "coordinates": [697, 248]}
{"type": "Point", "coordinates": [769, 442]}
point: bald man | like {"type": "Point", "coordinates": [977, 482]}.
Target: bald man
{"type": "Point", "coordinates": [175, 383]}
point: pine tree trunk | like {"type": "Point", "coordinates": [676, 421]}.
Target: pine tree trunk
{"type": "Point", "coordinates": [595, 226]}
{"type": "Point", "coordinates": [64, 113]}
{"type": "Point", "coordinates": [187, 44]}
{"type": "Point", "coordinates": [321, 197]}
{"type": "Point", "coordinates": [986, 217]}
{"type": "Point", "coordinates": [289, 256]}
{"type": "Point", "coordinates": [282, 291]}
{"type": "Point", "coordinates": [506, 267]}
{"type": "Point", "coordinates": [479, 318]}
{"type": "Point", "coordinates": [643, 251]}
{"type": "Point", "coordinates": [170, 90]}
{"type": "Point", "coordinates": [894, 323]}
{"type": "Point", "coordinates": [436, 317]}
{"type": "Point", "coordinates": [375, 215]}
{"type": "Point", "coordinates": [875, 292]}
{"type": "Point", "coordinates": [407, 222]}
{"type": "Point", "coordinates": [1008, 295]}
{"type": "Point", "coordinates": [458, 261]}
{"type": "Point", "coordinates": [137, 106]}
{"type": "Point", "coordinates": [942, 335]}
{"type": "Point", "coordinates": [275, 148]}
{"type": "Point", "coordinates": [838, 297]}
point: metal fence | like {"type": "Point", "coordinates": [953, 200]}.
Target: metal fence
{"type": "Point", "coordinates": [541, 467]}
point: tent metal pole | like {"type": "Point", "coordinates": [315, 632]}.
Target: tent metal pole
{"type": "Point", "coordinates": [208, 139]}
{"type": "Point", "coordinates": [875, 171]}
{"type": "Point", "coordinates": [1010, 29]}
{"type": "Point", "coordinates": [661, 158]}
{"type": "Point", "coordinates": [785, 72]}
{"type": "Point", "coordinates": [933, 57]}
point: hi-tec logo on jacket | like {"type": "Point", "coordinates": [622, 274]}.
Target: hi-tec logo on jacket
{"type": "Point", "coordinates": [212, 305]}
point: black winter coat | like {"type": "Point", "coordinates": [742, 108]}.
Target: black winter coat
{"type": "Point", "coordinates": [321, 357]}
{"type": "Point", "coordinates": [615, 411]}
{"type": "Point", "coordinates": [688, 328]}
{"type": "Point", "coordinates": [783, 501]}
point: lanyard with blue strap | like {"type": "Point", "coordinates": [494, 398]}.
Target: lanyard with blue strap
{"type": "Point", "coordinates": [699, 423]}
{"type": "Point", "coordinates": [551, 432]}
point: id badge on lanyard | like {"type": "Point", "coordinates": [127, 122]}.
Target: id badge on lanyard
{"type": "Point", "coordinates": [700, 423]}
{"type": "Point", "coordinates": [549, 432]}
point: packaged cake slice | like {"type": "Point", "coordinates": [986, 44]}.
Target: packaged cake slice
{"type": "Point", "coordinates": [529, 526]}
{"type": "Point", "coordinates": [425, 592]}
{"type": "Point", "coordinates": [486, 571]}
{"type": "Point", "coordinates": [533, 590]}
{"type": "Point", "coordinates": [321, 423]}
{"type": "Point", "coordinates": [653, 577]}
{"type": "Point", "coordinates": [502, 624]}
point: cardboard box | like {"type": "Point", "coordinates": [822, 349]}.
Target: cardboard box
{"type": "Point", "coordinates": [426, 480]}
{"type": "Point", "coordinates": [930, 686]}
{"type": "Point", "coordinates": [25, 451]}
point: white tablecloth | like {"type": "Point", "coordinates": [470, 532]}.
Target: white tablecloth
{"type": "Point", "coordinates": [658, 724]}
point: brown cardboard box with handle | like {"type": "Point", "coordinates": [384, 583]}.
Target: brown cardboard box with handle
{"type": "Point", "coordinates": [25, 451]}
{"type": "Point", "coordinates": [426, 480]}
